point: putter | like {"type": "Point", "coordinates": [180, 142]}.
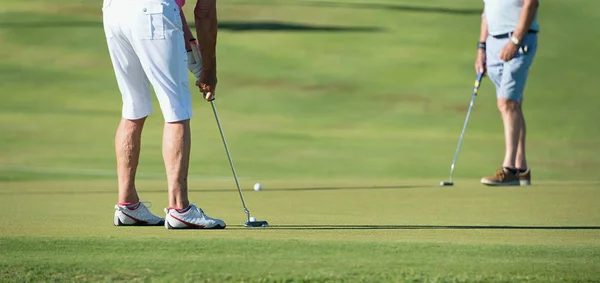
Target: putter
{"type": "Point", "coordinates": [450, 182]}
{"type": "Point", "coordinates": [248, 223]}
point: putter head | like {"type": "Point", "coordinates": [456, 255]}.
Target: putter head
{"type": "Point", "coordinates": [446, 184]}
{"type": "Point", "coordinates": [256, 224]}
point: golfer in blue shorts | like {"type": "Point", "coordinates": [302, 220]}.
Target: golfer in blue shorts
{"type": "Point", "coordinates": [506, 48]}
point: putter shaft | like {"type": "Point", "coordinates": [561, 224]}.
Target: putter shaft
{"type": "Point", "coordinates": [237, 183]}
{"type": "Point", "coordinates": [462, 133]}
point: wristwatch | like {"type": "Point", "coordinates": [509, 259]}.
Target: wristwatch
{"type": "Point", "coordinates": [481, 45]}
{"type": "Point", "coordinates": [515, 40]}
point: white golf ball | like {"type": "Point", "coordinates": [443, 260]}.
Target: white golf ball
{"type": "Point", "coordinates": [257, 187]}
{"type": "Point", "coordinates": [252, 219]}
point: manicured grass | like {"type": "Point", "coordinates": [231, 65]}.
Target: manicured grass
{"type": "Point", "coordinates": [63, 259]}
{"type": "Point", "coordinates": [321, 232]}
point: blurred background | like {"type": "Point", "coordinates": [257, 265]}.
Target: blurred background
{"type": "Point", "coordinates": [308, 90]}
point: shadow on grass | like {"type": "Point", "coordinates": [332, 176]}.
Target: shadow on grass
{"type": "Point", "coordinates": [248, 26]}
{"type": "Point", "coordinates": [235, 26]}
{"type": "Point", "coordinates": [233, 189]}
{"type": "Point", "coordinates": [50, 24]}
{"type": "Point", "coordinates": [424, 227]}
{"type": "Point", "coordinates": [395, 7]}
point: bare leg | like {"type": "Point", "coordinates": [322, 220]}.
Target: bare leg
{"type": "Point", "coordinates": [176, 154]}
{"type": "Point", "coordinates": [513, 119]}
{"type": "Point", "coordinates": [521, 160]}
{"type": "Point", "coordinates": [127, 147]}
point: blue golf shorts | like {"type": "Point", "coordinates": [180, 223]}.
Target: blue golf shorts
{"type": "Point", "coordinates": [510, 77]}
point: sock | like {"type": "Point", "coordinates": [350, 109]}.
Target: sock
{"type": "Point", "coordinates": [132, 206]}
{"type": "Point", "coordinates": [511, 170]}
{"type": "Point", "coordinates": [522, 170]}
{"type": "Point", "coordinates": [183, 210]}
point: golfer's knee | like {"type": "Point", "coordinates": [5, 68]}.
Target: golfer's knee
{"type": "Point", "coordinates": [132, 124]}
{"type": "Point", "coordinates": [508, 105]}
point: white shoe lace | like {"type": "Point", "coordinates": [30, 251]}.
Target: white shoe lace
{"type": "Point", "coordinates": [198, 209]}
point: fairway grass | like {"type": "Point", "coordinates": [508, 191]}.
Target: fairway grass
{"type": "Point", "coordinates": [347, 112]}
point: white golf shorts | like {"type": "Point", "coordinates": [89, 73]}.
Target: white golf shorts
{"type": "Point", "coordinates": [145, 42]}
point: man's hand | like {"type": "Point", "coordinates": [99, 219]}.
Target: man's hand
{"type": "Point", "coordinates": [509, 51]}
{"type": "Point", "coordinates": [480, 62]}
{"type": "Point", "coordinates": [195, 61]}
{"type": "Point", "coordinates": [207, 84]}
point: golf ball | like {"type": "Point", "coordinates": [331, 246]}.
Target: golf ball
{"type": "Point", "coordinates": [257, 187]}
{"type": "Point", "coordinates": [252, 219]}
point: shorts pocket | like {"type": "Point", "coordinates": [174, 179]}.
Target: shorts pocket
{"type": "Point", "coordinates": [172, 19]}
{"type": "Point", "coordinates": [151, 25]}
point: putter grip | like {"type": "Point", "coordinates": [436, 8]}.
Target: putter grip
{"type": "Point", "coordinates": [477, 83]}
{"type": "Point", "coordinates": [478, 80]}
{"type": "Point", "coordinates": [196, 52]}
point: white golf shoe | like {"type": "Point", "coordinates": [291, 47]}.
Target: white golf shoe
{"type": "Point", "coordinates": [136, 215]}
{"type": "Point", "coordinates": [191, 218]}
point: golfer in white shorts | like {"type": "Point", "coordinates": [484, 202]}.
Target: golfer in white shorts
{"type": "Point", "coordinates": [507, 46]}
{"type": "Point", "coordinates": [147, 47]}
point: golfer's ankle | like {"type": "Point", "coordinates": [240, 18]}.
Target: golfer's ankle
{"type": "Point", "coordinates": [179, 203]}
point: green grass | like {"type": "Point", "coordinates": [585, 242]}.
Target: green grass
{"type": "Point", "coordinates": [327, 261]}
{"type": "Point", "coordinates": [348, 131]}
{"type": "Point", "coordinates": [321, 231]}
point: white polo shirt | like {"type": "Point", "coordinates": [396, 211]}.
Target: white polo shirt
{"type": "Point", "coordinates": [503, 16]}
